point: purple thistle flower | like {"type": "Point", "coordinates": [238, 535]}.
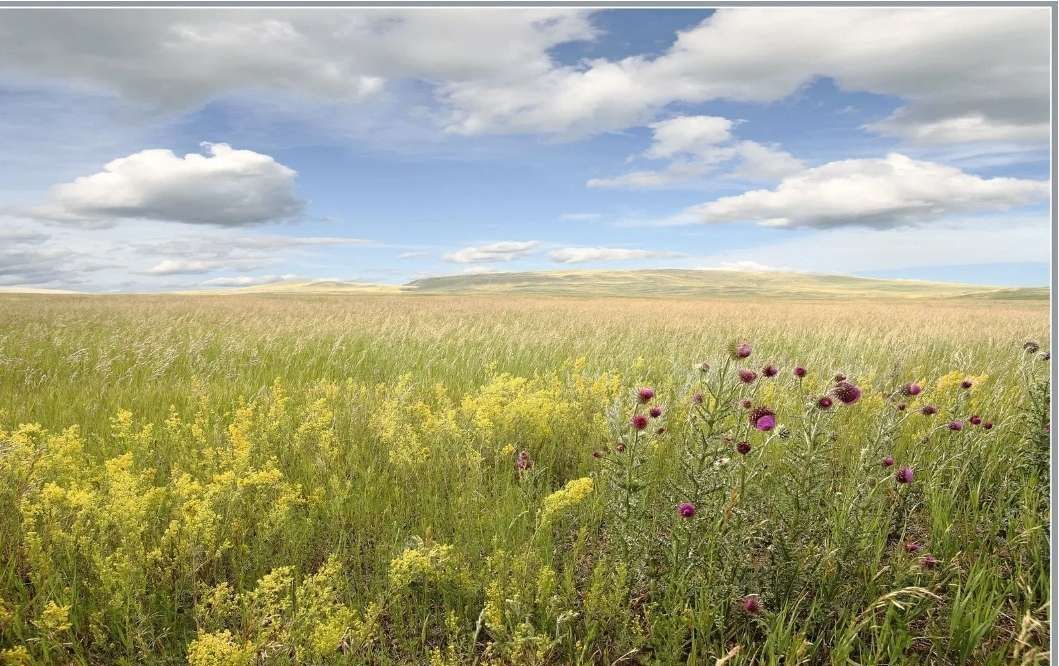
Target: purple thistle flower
{"type": "Point", "coordinates": [743, 448]}
{"type": "Point", "coordinates": [975, 420]}
{"type": "Point", "coordinates": [988, 425]}
{"type": "Point", "coordinates": [956, 425]}
{"type": "Point", "coordinates": [686, 510]}
{"type": "Point", "coordinates": [911, 388]}
{"type": "Point", "coordinates": [655, 412]}
{"type": "Point", "coordinates": [799, 372]}
{"type": "Point", "coordinates": [966, 384]}
{"type": "Point", "coordinates": [741, 350]}
{"type": "Point", "coordinates": [929, 561]}
{"type": "Point", "coordinates": [698, 399]}
{"type": "Point", "coordinates": [751, 604]}
{"type": "Point", "coordinates": [847, 393]}
{"type": "Point", "coordinates": [646, 394]}
{"type": "Point", "coordinates": [824, 402]}
{"type": "Point", "coordinates": [639, 422]}
{"type": "Point", "coordinates": [747, 376]}
{"type": "Point", "coordinates": [770, 370]}
{"type": "Point", "coordinates": [904, 475]}
{"type": "Point", "coordinates": [912, 547]}
{"type": "Point", "coordinates": [888, 461]}
{"type": "Point", "coordinates": [763, 419]}
{"type": "Point", "coordinates": [928, 410]}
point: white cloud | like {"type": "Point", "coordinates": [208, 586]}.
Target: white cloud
{"type": "Point", "coordinates": [479, 270]}
{"type": "Point", "coordinates": [192, 266]}
{"type": "Point", "coordinates": [502, 251]}
{"type": "Point", "coordinates": [990, 64]}
{"type": "Point", "coordinates": [954, 242]}
{"type": "Point", "coordinates": [225, 187]}
{"type": "Point", "coordinates": [247, 280]}
{"type": "Point", "coordinates": [580, 217]}
{"type": "Point", "coordinates": [414, 254]}
{"type": "Point", "coordinates": [744, 265]}
{"type": "Point", "coordinates": [578, 255]}
{"type": "Point", "coordinates": [699, 146]}
{"type": "Point", "coordinates": [895, 191]}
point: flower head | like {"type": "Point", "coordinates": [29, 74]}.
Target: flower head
{"type": "Point", "coordinates": [522, 461]}
{"type": "Point", "coordinates": [704, 366]}
{"type": "Point", "coordinates": [698, 399]}
{"type": "Point", "coordinates": [799, 372]}
{"type": "Point", "coordinates": [928, 410]}
{"type": "Point", "coordinates": [747, 376]}
{"type": "Point", "coordinates": [746, 404]}
{"type": "Point", "coordinates": [655, 412]}
{"type": "Point", "coordinates": [911, 388]}
{"type": "Point", "coordinates": [824, 402]}
{"type": "Point", "coordinates": [763, 419]}
{"type": "Point", "coordinates": [840, 378]}
{"type": "Point", "coordinates": [975, 420]}
{"type": "Point", "coordinates": [743, 448]}
{"type": "Point", "coordinates": [901, 406]}
{"type": "Point", "coordinates": [751, 604]}
{"type": "Point", "coordinates": [686, 510]}
{"type": "Point", "coordinates": [646, 394]}
{"type": "Point", "coordinates": [904, 475]}
{"type": "Point", "coordinates": [966, 384]}
{"type": "Point", "coordinates": [846, 393]}
{"type": "Point", "coordinates": [1031, 347]}
{"type": "Point", "coordinates": [770, 370]}
{"type": "Point", "coordinates": [929, 561]}
{"type": "Point", "coordinates": [988, 425]}
{"type": "Point", "coordinates": [639, 422]}
{"type": "Point", "coordinates": [888, 461]}
{"type": "Point", "coordinates": [912, 547]}
{"type": "Point", "coordinates": [956, 425]}
{"type": "Point", "coordinates": [740, 349]}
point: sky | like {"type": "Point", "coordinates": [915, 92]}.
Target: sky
{"type": "Point", "coordinates": [171, 149]}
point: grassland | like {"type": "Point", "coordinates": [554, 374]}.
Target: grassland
{"type": "Point", "coordinates": [339, 478]}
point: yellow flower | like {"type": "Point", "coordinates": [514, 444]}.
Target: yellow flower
{"type": "Point", "coordinates": [570, 495]}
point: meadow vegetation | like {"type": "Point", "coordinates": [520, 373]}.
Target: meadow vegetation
{"type": "Point", "coordinates": [435, 479]}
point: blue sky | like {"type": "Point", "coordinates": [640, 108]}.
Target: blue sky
{"type": "Point", "coordinates": [160, 150]}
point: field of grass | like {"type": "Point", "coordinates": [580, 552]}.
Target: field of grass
{"type": "Point", "coordinates": [478, 479]}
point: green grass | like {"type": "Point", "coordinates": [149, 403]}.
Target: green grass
{"type": "Point", "coordinates": [324, 478]}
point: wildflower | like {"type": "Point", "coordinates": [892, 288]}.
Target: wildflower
{"type": "Point", "coordinates": [904, 475]}
{"type": "Point", "coordinates": [966, 384]}
{"type": "Point", "coordinates": [912, 547]}
{"type": "Point", "coordinates": [747, 404]}
{"type": "Point", "coordinates": [661, 430]}
{"type": "Point", "coordinates": [975, 420]}
{"type": "Point", "coordinates": [763, 419]}
{"type": "Point", "coordinates": [799, 372]}
{"type": "Point", "coordinates": [646, 394]}
{"type": "Point", "coordinates": [988, 425]}
{"type": "Point", "coordinates": [639, 421]}
{"type": "Point", "coordinates": [686, 510]}
{"type": "Point", "coordinates": [523, 462]}
{"type": "Point", "coordinates": [929, 561]}
{"type": "Point", "coordinates": [620, 448]}
{"type": "Point", "coordinates": [824, 402]}
{"type": "Point", "coordinates": [566, 497]}
{"type": "Point", "coordinates": [840, 378]}
{"type": "Point", "coordinates": [740, 349]}
{"type": "Point", "coordinates": [743, 447]}
{"type": "Point", "coordinates": [901, 407]}
{"type": "Point", "coordinates": [597, 454]}
{"type": "Point", "coordinates": [1031, 347]}
{"type": "Point", "coordinates": [888, 461]}
{"type": "Point", "coordinates": [751, 604]}
{"type": "Point", "coordinates": [770, 370]}
{"type": "Point", "coordinates": [847, 393]}
{"type": "Point", "coordinates": [704, 366]}
{"type": "Point", "coordinates": [911, 389]}
{"type": "Point", "coordinates": [956, 425]}
{"type": "Point", "coordinates": [1045, 356]}
{"type": "Point", "coordinates": [697, 399]}
{"type": "Point", "coordinates": [928, 410]}
{"type": "Point", "coordinates": [747, 376]}
{"type": "Point", "coordinates": [655, 412]}
{"type": "Point", "coordinates": [785, 432]}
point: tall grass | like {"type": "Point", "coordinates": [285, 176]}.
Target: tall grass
{"type": "Point", "coordinates": [402, 479]}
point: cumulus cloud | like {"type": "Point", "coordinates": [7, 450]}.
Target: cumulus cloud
{"type": "Point", "coordinates": [699, 146]}
{"type": "Point", "coordinates": [502, 251]}
{"type": "Point", "coordinates": [247, 280]}
{"type": "Point", "coordinates": [964, 74]}
{"type": "Point", "coordinates": [888, 192]}
{"type": "Point", "coordinates": [578, 255]}
{"type": "Point", "coordinates": [225, 187]}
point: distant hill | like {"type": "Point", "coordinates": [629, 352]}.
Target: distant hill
{"type": "Point", "coordinates": [711, 284]}
{"type": "Point", "coordinates": [303, 287]}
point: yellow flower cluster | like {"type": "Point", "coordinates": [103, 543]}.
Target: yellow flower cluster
{"type": "Point", "coordinates": [570, 495]}
{"type": "Point", "coordinates": [422, 563]}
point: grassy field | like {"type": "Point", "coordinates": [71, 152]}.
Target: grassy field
{"type": "Point", "coordinates": [281, 478]}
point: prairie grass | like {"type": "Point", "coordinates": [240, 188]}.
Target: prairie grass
{"type": "Point", "coordinates": [413, 479]}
